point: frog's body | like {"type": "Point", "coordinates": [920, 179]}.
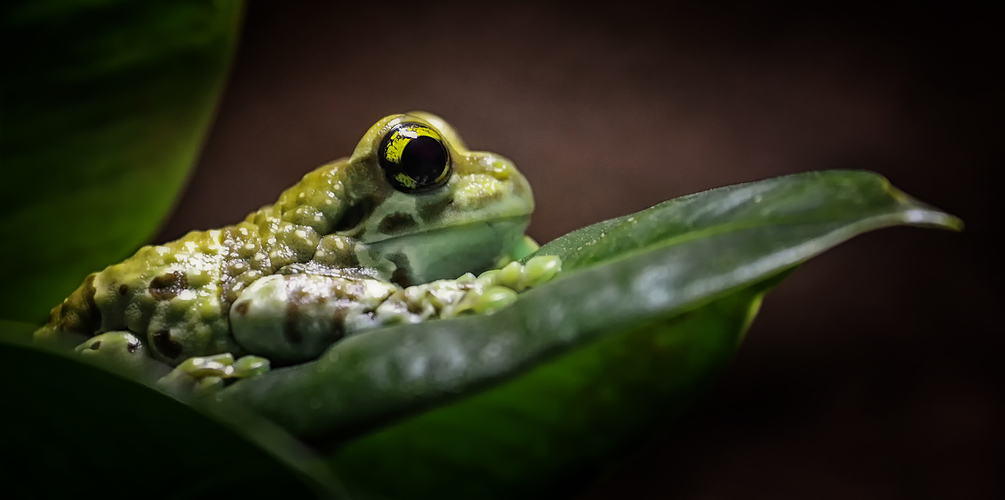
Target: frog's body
{"type": "Point", "coordinates": [330, 257]}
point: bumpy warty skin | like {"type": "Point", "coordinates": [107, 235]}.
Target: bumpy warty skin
{"type": "Point", "coordinates": [177, 297]}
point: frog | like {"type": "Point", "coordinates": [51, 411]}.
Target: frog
{"type": "Point", "coordinates": [412, 227]}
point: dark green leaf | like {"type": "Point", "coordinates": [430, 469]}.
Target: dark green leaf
{"type": "Point", "coordinates": [849, 201]}
{"type": "Point", "coordinates": [105, 105]}
{"type": "Point", "coordinates": [72, 430]}
{"type": "Point", "coordinates": [533, 399]}
{"type": "Point", "coordinates": [552, 432]}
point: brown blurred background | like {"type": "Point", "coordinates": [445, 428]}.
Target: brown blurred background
{"type": "Point", "coordinates": [873, 371]}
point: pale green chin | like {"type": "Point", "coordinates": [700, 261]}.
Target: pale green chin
{"type": "Point", "coordinates": [449, 252]}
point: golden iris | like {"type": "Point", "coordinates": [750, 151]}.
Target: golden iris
{"type": "Point", "coordinates": [414, 158]}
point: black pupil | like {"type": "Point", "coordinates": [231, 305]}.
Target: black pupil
{"type": "Point", "coordinates": [423, 159]}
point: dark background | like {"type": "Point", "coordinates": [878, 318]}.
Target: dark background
{"type": "Point", "coordinates": [873, 371]}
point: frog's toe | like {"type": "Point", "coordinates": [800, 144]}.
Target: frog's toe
{"type": "Point", "coordinates": [249, 366]}
{"type": "Point", "coordinates": [194, 371]}
{"type": "Point", "coordinates": [519, 277]}
{"type": "Point", "coordinates": [217, 365]}
{"type": "Point", "coordinates": [112, 344]}
{"type": "Point", "coordinates": [121, 350]}
{"type": "Point", "coordinates": [207, 374]}
{"type": "Point", "coordinates": [540, 270]}
{"type": "Point", "coordinates": [510, 276]}
{"type": "Point", "coordinates": [488, 301]}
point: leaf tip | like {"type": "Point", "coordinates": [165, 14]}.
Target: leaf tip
{"type": "Point", "coordinates": [918, 213]}
{"type": "Point", "coordinates": [933, 218]}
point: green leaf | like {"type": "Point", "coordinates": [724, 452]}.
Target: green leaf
{"type": "Point", "coordinates": [73, 430]}
{"type": "Point", "coordinates": [105, 105]}
{"type": "Point", "coordinates": [536, 399]}
{"type": "Point", "coordinates": [850, 202]}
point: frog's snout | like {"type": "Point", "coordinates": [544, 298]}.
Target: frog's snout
{"type": "Point", "coordinates": [502, 169]}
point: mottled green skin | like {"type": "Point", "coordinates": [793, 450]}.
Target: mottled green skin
{"type": "Point", "coordinates": [343, 221]}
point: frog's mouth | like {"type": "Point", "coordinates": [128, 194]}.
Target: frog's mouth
{"type": "Point", "coordinates": [448, 252]}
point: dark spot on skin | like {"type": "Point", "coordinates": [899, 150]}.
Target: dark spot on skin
{"type": "Point", "coordinates": [167, 346]}
{"type": "Point", "coordinates": [432, 211]}
{"type": "Point", "coordinates": [168, 286]}
{"type": "Point", "coordinates": [123, 289]}
{"type": "Point", "coordinates": [96, 345]}
{"type": "Point", "coordinates": [296, 297]}
{"type": "Point", "coordinates": [414, 307]}
{"type": "Point", "coordinates": [89, 284]}
{"type": "Point", "coordinates": [292, 332]}
{"type": "Point", "coordinates": [338, 324]}
{"type": "Point", "coordinates": [241, 308]}
{"type": "Point", "coordinates": [348, 259]}
{"type": "Point", "coordinates": [355, 215]}
{"type": "Point", "coordinates": [396, 223]}
{"type": "Point", "coordinates": [401, 275]}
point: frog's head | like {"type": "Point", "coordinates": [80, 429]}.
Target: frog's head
{"type": "Point", "coordinates": [415, 204]}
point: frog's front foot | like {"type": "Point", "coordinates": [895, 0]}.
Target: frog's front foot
{"type": "Point", "coordinates": [498, 288]}
{"type": "Point", "coordinates": [207, 374]}
{"type": "Point", "coordinates": [519, 277]}
{"type": "Point", "coordinates": [489, 292]}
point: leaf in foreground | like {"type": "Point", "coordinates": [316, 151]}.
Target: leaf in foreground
{"type": "Point", "coordinates": [536, 399]}
{"type": "Point", "coordinates": [73, 430]}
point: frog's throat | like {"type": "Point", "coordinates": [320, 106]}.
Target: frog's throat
{"type": "Point", "coordinates": [445, 253]}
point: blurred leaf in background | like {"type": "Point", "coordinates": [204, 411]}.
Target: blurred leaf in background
{"type": "Point", "coordinates": [105, 105]}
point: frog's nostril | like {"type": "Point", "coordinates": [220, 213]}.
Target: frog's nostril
{"type": "Point", "coordinates": [500, 168]}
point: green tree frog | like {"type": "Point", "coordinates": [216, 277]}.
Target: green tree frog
{"type": "Point", "coordinates": [359, 243]}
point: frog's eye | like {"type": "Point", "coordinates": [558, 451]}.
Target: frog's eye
{"type": "Point", "coordinates": [414, 158]}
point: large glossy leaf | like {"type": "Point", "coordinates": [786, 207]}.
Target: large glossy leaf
{"type": "Point", "coordinates": [537, 398]}
{"type": "Point", "coordinates": [105, 105]}
{"type": "Point", "coordinates": [72, 430]}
